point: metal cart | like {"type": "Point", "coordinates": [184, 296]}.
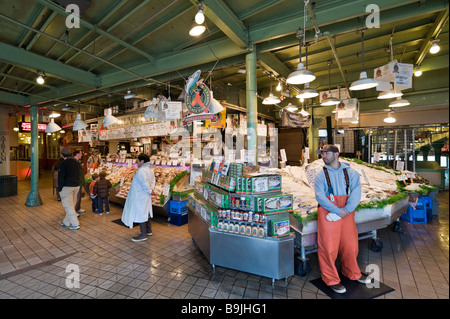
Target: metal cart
{"type": "Point", "coordinates": [305, 241]}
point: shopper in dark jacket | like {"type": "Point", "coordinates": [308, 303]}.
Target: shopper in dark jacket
{"type": "Point", "coordinates": [101, 189]}
{"type": "Point", "coordinates": [68, 187]}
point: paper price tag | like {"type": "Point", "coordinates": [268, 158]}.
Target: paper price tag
{"type": "Point", "coordinates": [311, 175]}
{"type": "Point", "coordinates": [402, 177]}
{"type": "Point", "coordinates": [365, 177]}
{"type": "Point", "coordinates": [166, 189]}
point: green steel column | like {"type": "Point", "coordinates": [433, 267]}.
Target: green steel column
{"type": "Point", "coordinates": [252, 103]}
{"type": "Point", "coordinates": [34, 199]}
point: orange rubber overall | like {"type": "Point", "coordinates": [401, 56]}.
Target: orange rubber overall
{"type": "Point", "coordinates": [337, 237]}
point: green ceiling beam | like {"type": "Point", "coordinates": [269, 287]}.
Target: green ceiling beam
{"type": "Point", "coordinates": [222, 16]}
{"type": "Point", "coordinates": [90, 26]}
{"type": "Point", "coordinates": [337, 19]}
{"type": "Point", "coordinates": [21, 57]}
{"type": "Point", "coordinates": [14, 99]}
{"type": "Point", "coordinates": [213, 51]}
{"type": "Point", "coordinates": [273, 64]}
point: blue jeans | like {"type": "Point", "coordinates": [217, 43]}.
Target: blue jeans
{"type": "Point", "coordinates": [94, 203]}
{"type": "Point", "coordinates": [102, 200]}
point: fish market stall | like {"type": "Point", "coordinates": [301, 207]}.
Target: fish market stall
{"type": "Point", "coordinates": [383, 200]}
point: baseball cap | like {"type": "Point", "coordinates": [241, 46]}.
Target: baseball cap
{"type": "Point", "coordinates": [66, 151]}
{"type": "Point", "coordinates": [328, 148]}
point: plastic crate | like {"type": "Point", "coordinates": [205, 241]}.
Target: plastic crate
{"type": "Point", "coordinates": [178, 207]}
{"type": "Point", "coordinates": [426, 203]}
{"type": "Point", "coordinates": [178, 219]}
{"type": "Point", "coordinates": [415, 216]}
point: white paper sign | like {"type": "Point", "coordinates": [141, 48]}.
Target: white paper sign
{"type": "Point", "coordinates": [400, 166]}
{"type": "Point", "coordinates": [311, 175]}
{"type": "Point", "coordinates": [166, 189]}
{"type": "Point", "coordinates": [283, 155]}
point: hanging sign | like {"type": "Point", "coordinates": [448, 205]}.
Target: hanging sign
{"type": "Point", "coordinates": [403, 75]}
{"type": "Point", "coordinates": [198, 99]}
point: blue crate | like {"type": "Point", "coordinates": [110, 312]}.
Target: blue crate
{"type": "Point", "coordinates": [178, 207]}
{"type": "Point", "coordinates": [178, 219]}
{"type": "Point", "coordinates": [415, 216]}
{"type": "Point", "coordinates": [426, 203]}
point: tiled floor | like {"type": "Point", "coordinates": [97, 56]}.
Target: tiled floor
{"type": "Point", "coordinates": [37, 257]}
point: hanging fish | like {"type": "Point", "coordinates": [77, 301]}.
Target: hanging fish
{"type": "Point", "coordinates": [192, 80]}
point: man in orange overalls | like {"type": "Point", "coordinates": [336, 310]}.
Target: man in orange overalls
{"type": "Point", "coordinates": [338, 192]}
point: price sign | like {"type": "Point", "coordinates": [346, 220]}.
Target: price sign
{"type": "Point", "coordinates": [166, 189]}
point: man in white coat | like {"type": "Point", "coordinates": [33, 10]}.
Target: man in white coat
{"type": "Point", "coordinates": [138, 206]}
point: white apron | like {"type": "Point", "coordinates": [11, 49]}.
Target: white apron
{"type": "Point", "coordinates": [138, 205]}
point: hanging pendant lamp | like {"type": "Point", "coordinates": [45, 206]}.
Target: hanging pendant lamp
{"type": "Point", "coordinates": [330, 100]}
{"type": "Point", "coordinates": [364, 82]}
{"type": "Point", "coordinates": [52, 127]}
{"type": "Point", "coordinates": [271, 99]}
{"type": "Point", "coordinates": [301, 75]}
{"type": "Point", "coordinates": [390, 119]}
{"type": "Point", "coordinates": [399, 102]}
{"type": "Point", "coordinates": [79, 124]}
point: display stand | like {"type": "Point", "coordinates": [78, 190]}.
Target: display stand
{"type": "Point", "coordinates": [242, 231]}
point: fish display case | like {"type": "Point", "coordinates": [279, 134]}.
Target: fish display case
{"type": "Point", "coordinates": [242, 231]}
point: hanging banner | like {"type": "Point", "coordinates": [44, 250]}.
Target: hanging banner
{"type": "Point", "coordinates": [172, 109]}
{"type": "Point", "coordinates": [344, 94]}
{"type": "Point", "coordinates": [403, 75]}
{"type": "Point", "coordinates": [384, 75]}
{"type": "Point", "coordinates": [291, 119]}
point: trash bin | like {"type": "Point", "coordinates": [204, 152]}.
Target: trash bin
{"type": "Point", "coordinates": [8, 185]}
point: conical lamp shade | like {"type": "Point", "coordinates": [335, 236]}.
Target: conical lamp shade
{"type": "Point", "coordinates": [300, 76]}
{"type": "Point", "coordinates": [363, 83]}
{"type": "Point", "coordinates": [271, 99]}
{"type": "Point", "coordinates": [109, 119]}
{"type": "Point", "coordinates": [214, 106]}
{"type": "Point", "coordinates": [52, 127]}
{"type": "Point", "coordinates": [79, 123]}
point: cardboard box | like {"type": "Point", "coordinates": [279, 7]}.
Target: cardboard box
{"type": "Point", "coordinates": [274, 203]}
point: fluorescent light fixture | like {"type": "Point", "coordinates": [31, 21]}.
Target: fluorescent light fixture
{"type": "Point", "coordinates": [399, 103]}
{"type": "Point", "coordinates": [52, 127]}
{"type": "Point", "coordinates": [271, 99]}
{"type": "Point", "coordinates": [363, 83]}
{"type": "Point", "coordinates": [197, 30]}
{"type": "Point", "coordinates": [291, 107]}
{"type": "Point", "coordinates": [200, 17]}
{"type": "Point", "coordinates": [307, 92]}
{"type": "Point", "coordinates": [391, 94]}
{"type": "Point", "coordinates": [129, 95]}
{"type": "Point", "coordinates": [54, 115]}
{"type": "Point", "coordinates": [79, 124]}
{"type": "Point", "coordinates": [435, 48]}
{"type": "Point", "coordinates": [109, 119]}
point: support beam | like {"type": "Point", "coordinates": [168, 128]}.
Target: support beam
{"type": "Point", "coordinates": [435, 30]}
{"type": "Point", "coordinates": [252, 103]}
{"type": "Point", "coordinates": [34, 199]}
{"type": "Point", "coordinates": [222, 16]}
{"type": "Point", "coordinates": [62, 11]}
{"type": "Point", "coordinates": [21, 57]}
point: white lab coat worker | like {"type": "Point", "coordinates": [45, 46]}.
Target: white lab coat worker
{"type": "Point", "coordinates": [138, 205]}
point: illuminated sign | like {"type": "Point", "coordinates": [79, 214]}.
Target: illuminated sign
{"type": "Point", "coordinates": [26, 127]}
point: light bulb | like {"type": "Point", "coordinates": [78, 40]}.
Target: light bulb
{"type": "Point", "coordinates": [200, 17]}
{"type": "Point", "coordinates": [197, 30]}
{"type": "Point", "coordinates": [435, 48]}
{"type": "Point", "coordinates": [418, 72]}
{"type": "Point", "coordinates": [279, 86]}
{"type": "Point", "coordinates": [40, 80]}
